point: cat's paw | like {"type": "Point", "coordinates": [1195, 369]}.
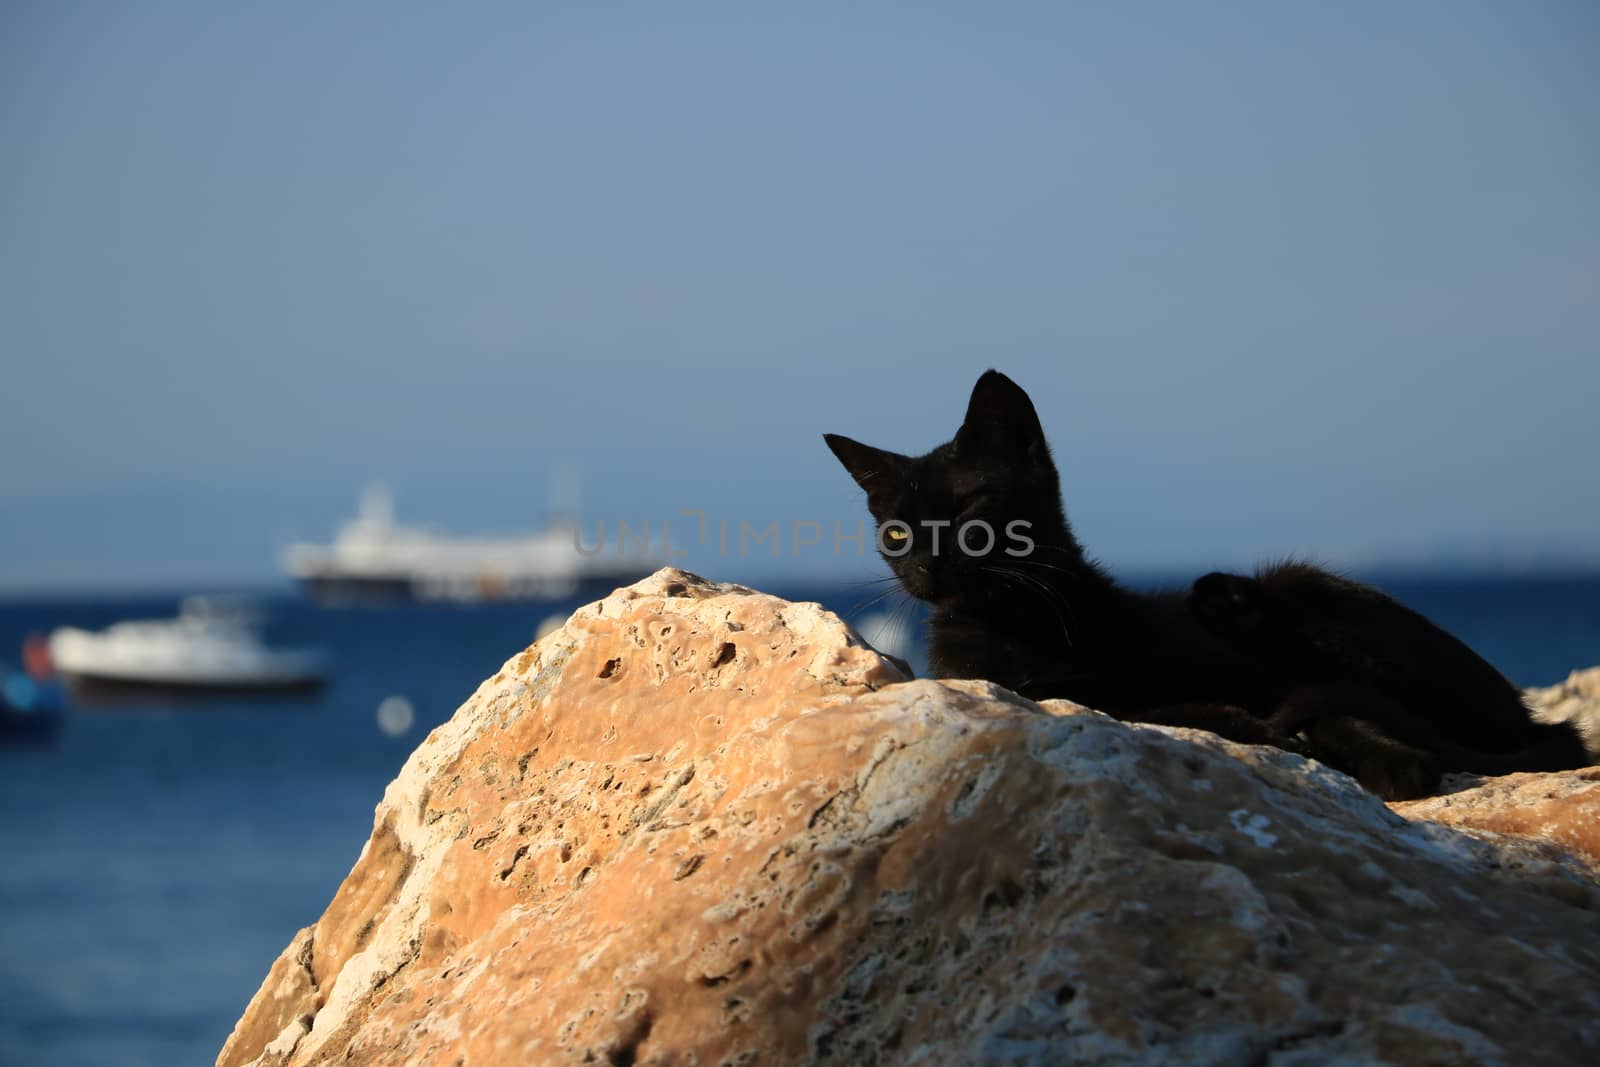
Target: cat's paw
{"type": "Point", "coordinates": [1399, 772]}
{"type": "Point", "coordinates": [1294, 743]}
{"type": "Point", "coordinates": [1228, 602]}
{"type": "Point", "coordinates": [1341, 734]}
{"type": "Point", "coordinates": [1308, 705]}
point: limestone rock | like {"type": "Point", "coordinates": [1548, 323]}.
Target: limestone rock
{"type": "Point", "coordinates": [1576, 700]}
{"type": "Point", "coordinates": [700, 825]}
{"type": "Point", "coordinates": [1561, 809]}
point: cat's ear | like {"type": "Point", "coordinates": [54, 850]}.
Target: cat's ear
{"type": "Point", "coordinates": [1000, 417]}
{"type": "Point", "coordinates": [880, 473]}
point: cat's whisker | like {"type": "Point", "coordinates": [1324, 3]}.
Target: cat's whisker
{"type": "Point", "coordinates": [861, 583]}
{"type": "Point", "coordinates": [1033, 585]}
{"type": "Point", "coordinates": [872, 600]}
{"type": "Point", "coordinates": [1035, 580]}
{"type": "Point", "coordinates": [908, 633]}
{"type": "Point", "coordinates": [899, 620]}
{"type": "Point", "coordinates": [876, 588]}
{"type": "Point", "coordinates": [1060, 550]}
{"type": "Point", "coordinates": [1024, 562]}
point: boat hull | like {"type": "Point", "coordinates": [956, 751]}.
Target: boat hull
{"type": "Point", "coordinates": [92, 688]}
{"type": "Point", "coordinates": [344, 589]}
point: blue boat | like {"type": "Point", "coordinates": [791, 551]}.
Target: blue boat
{"type": "Point", "coordinates": [32, 703]}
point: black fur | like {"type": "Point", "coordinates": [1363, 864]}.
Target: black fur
{"type": "Point", "coordinates": [1397, 671]}
{"type": "Point", "coordinates": [1033, 613]}
{"type": "Point", "coordinates": [1045, 622]}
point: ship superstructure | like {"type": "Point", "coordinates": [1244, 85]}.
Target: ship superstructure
{"type": "Point", "coordinates": [373, 557]}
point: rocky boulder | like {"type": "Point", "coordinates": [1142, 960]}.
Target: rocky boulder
{"type": "Point", "coordinates": [701, 825]}
{"type": "Point", "coordinates": [1559, 813]}
{"type": "Point", "coordinates": [1576, 700]}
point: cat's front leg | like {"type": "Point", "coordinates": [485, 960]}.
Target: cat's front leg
{"type": "Point", "coordinates": [1392, 769]}
{"type": "Point", "coordinates": [1224, 720]}
{"type": "Point", "coordinates": [1364, 733]}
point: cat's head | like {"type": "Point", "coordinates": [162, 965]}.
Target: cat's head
{"type": "Point", "coordinates": [983, 500]}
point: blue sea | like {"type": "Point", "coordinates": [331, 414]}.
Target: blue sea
{"type": "Point", "coordinates": [156, 858]}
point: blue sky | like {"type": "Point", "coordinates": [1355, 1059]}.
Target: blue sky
{"type": "Point", "coordinates": [1280, 278]}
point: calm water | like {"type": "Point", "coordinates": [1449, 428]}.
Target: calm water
{"type": "Point", "coordinates": [156, 859]}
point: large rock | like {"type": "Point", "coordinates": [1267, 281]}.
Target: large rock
{"type": "Point", "coordinates": [1561, 811]}
{"type": "Point", "coordinates": [1576, 700]}
{"type": "Point", "coordinates": [700, 825]}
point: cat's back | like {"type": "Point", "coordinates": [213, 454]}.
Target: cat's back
{"type": "Point", "coordinates": [1384, 642]}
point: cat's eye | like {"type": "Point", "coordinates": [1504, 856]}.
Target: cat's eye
{"type": "Point", "coordinates": [896, 535]}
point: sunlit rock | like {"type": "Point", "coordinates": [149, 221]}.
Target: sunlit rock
{"type": "Point", "coordinates": [701, 825]}
{"type": "Point", "coordinates": [1576, 700]}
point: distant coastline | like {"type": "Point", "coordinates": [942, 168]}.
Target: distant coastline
{"type": "Point", "coordinates": [1464, 570]}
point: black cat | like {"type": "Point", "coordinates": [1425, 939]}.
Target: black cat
{"type": "Point", "coordinates": [976, 529]}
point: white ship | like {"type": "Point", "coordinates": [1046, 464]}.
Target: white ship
{"type": "Point", "coordinates": [373, 558]}
{"type": "Point", "coordinates": [211, 645]}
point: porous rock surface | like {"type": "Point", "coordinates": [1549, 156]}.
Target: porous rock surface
{"type": "Point", "coordinates": [1560, 811]}
{"type": "Point", "coordinates": [701, 825]}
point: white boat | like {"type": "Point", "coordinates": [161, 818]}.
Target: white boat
{"type": "Point", "coordinates": [211, 645]}
{"type": "Point", "coordinates": [374, 558]}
